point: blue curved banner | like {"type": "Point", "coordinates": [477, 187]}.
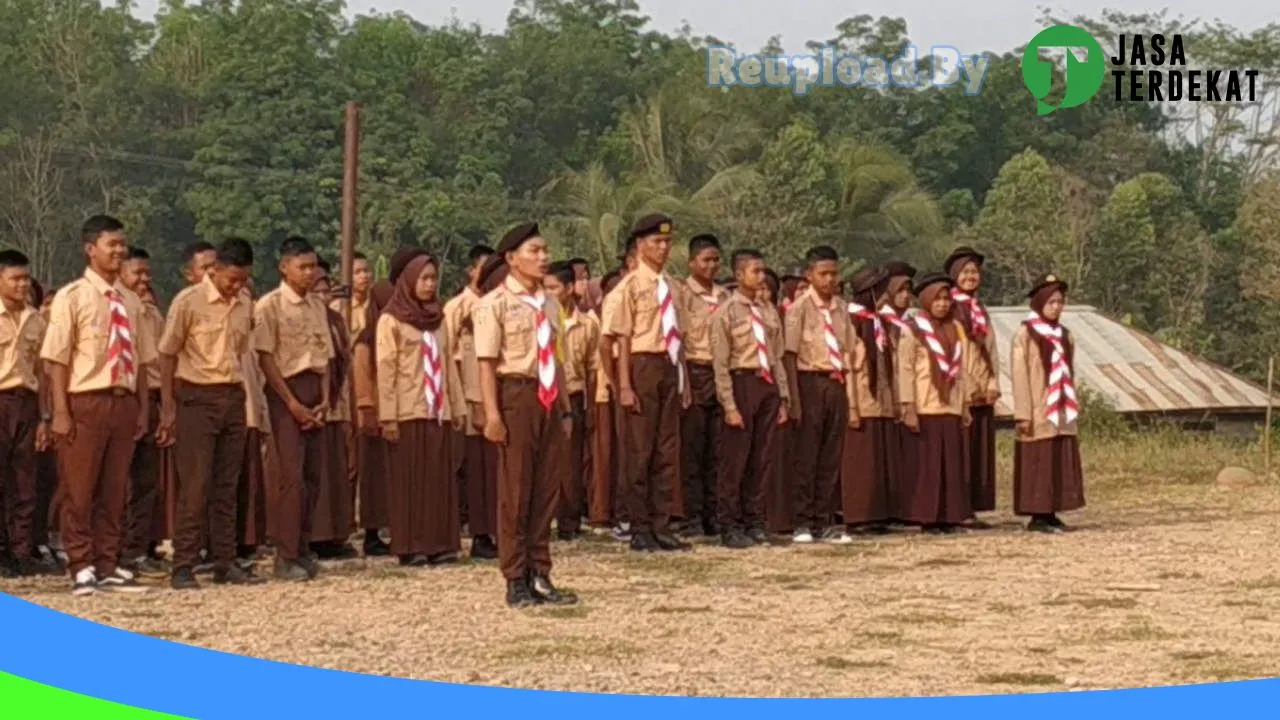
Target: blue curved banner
{"type": "Point", "coordinates": [64, 652]}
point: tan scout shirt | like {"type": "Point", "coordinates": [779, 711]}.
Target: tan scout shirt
{"type": "Point", "coordinates": [805, 335]}
{"type": "Point", "coordinates": [734, 346]}
{"type": "Point", "coordinates": [400, 374]}
{"type": "Point", "coordinates": [864, 402]}
{"type": "Point", "coordinates": [255, 393]}
{"type": "Point", "coordinates": [208, 334]}
{"type": "Point", "coordinates": [505, 330]}
{"type": "Point", "coordinates": [608, 308]}
{"type": "Point", "coordinates": [458, 325]}
{"type": "Point", "coordinates": [581, 349]}
{"type": "Point", "coordinates": [698, 306]}
{"type": "Point", "coordinates": [915, 378]}
{"type": "Point", "coordinates": [154, 319]}
{"type": "Point", "coordinates": [78, 335]}
{"type": "Point", "coordinates": [358, 310]}
{"type": "Point", "coordinates": [1030, 386]}
{"type": "Point", "coordinates": [20, 337]}
{"type": "Point", "coordinates": [983, 376]}
{"type": "Point", "coordinates": [638, 316]}
{"type": "Point", "coordinates": [294, 330]}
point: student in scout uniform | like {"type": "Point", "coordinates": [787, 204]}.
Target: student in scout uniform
{"type": "Point", "coordinates": [700, 426]}
{"type": "Point", "coordinates": [479, 457]}
{"type": "Point", "coordinates": [420, 403]}
{"type": "Point", "coordinates": [95, 354]}
{"type": "Point", "coordinates": [197, 258]}
{"type": "Point", "coordinates": [1047, 475]}
{"type": "Point", "coordinates": [746, 347]}
{"type": "Point", "coordinates": [652, 385]}
{"type": "Point", "coordinates": [146, 471]}
{"type": "Point", "coordinates": [605, 511]}
{"type": "Point", "coordinates": [893, 300]}
{"type": "Point", "coordinates": [582, 283]}
{"type": "Point", "coordinates": [259, 461]}
{"type": "Point", "coordinates": [22, 428]}
{"type": "Point", "coordinates": [52, 558]}
{"type": "Point", "coordinates": [609, 351]}
{"type": "Point", "coordinates": [333, 519]}
{"type": "Point", "coordinates": [934, 404]}
{"type": "Point", "coordinates": [982, 362]}
{"type": "Point", "coordinates": [577, 349]}
{"type": "Point", "coordinates": [872, 448]}
{"type": "Point", "coordinates": [817, 345]}
{"type": "Point", "coordinates": [291, 335]}
{"type": "Point", "coordinates": [358, 300]}
{"type": "Point", "coordinates": [203, 412]}
{"type": "Point", "coordinates": [526, 411]}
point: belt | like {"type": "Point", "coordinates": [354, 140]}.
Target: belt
{"type": "Point", "coordinates": [518, 379]}
{"type": "Point", "coordinates": [18, 391]}
{"type": "Point", "coordinates": [832, 375]}
{"type": "Point", "coordinates": [115, 391]}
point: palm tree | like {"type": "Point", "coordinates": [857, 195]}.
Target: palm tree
{"type": "Point", "coordinates": [880, 203]}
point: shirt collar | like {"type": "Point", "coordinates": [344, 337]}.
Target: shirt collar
{"type": "Point", "coordinates": [646, 272]}
{"type": "Point", "coordinates": [100, 283]}
{"type": "Point", "coordinates": [817, 301]}
{"type": "Point", "coordinates": [514, 286]}
{"type": "Point", "coordinates": [290, 295]}
{"type": "Point", "coordinates": [211, 292]}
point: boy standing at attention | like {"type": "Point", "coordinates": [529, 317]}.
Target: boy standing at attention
{"type": "Point", "coordinates": [700, 427]}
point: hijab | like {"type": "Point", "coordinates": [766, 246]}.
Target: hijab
{"type": "Point", "coordinates": [962, 309]}
{"type": "Point", "coordinates": [1038, 301]}
{"type": "Point", "coordinates": [379, 296]}
{"type": "Point", "coordinates": [405, 305]}
{"type": "Point", "coordinates": [867, 331]}
{"type": "Point", "coordinates": [945, 330]}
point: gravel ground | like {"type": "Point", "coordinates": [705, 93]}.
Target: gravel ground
{"type": "Point", "coordinates": [1146, 592]}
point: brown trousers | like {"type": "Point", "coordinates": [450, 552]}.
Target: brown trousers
{"type": "Point", "coordinates": [94, 471]}
{"type": "Point", "coordinates": [19, 416]}
{"type": "Point", "coordinates": [480, 467]}
{"type": "Point", "coordinates": [145, 487]}
{"type": "Point", "coordinates": [604, 466]}
{"type": "Point", "coordinates": [424, 517]}
{"type": "Point", "coordinates": [302, 456]}
{"type": "Point", "coordinates": [45, 519]}
{"type": "Point", "coordinates": [251, 498]}
{"type": "Point", "coordinates": [529, 467]}
{"type": "Point", "coordinates": [824, 415]}
{"type": "Point", "coordinates": [748, 453]}
{"type": "Point", "coordinates": [651, 443]}
{"type": "Point", "coordinates": [573, 491]}
{"type": "Point", "coordinates": [701, 442]}
{"type": "Point", "coordinates": [332, 515]}
{"type": "Point", "coordinates": [779, 506]}
{"type": "Point", "coordinates": [209, 455]}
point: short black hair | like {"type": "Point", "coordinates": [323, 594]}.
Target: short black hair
{"type": "Point", "coordinates": [13, 258]}
{"type": "Point", "coordinates": [236, 251]}
{"type": "Point", "coordinates": [37, 293]}
{"type": "Point", "coordinates": [357, 255]}
{"type": "Point", "coordinates": [324, 265]}
{"type": "Point", "coordinates": [478, 253]}
{"type": "Point", "coordinates": [95, 226]}
{"type": "Point", "coordinates": [563, 271]}
{"type": "Point", "coordinates": [294, 246]}
{"type": "Point", "coordinates": [193, 249]}
{"type": "Point", "coordinates": [610, 280]}
{"type": "Point", "coordinates": [820, 253]}
{"type": "Point", "coordinates": [698, 243]}
{"type": "Point", "coordinates": [137, 253]}
{"type": "Point", "coordinates": [742, 255]}
{"type": "Point", "coordinates": [575, 262]}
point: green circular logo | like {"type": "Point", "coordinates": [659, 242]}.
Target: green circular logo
{"type": "Point", "coordinates": [1084, 77]}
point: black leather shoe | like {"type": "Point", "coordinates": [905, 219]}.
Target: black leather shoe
{"type": "Point", "coordinates": [758, 535]}
{"type": "Point", "coordinates": [735, 539]}
{"type": "Point", "coordinates": [311, 564]}
{"type": "Point", "coordinates": [483, 548]}
{"type": "Point", "coordinates": [290, 571]}
{"type": "Point", "coordinates": [644, 542]}
{"type": "Point", "coordinates": [374, 547]}
{"type": "Point", "coordinates": [444, 558]}
{"type": "Point", "coordinates": [670, 543]}
{"type": "Point", "coordinates": [183, 579]}
{"type": "Point", "coordinates": [519, 595]}
{"type": "Point", "coordinates": [544, 592]}
{"type": "Point", "coordinates": [235, 576]}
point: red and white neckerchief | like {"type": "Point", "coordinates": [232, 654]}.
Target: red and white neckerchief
{"type": "Point", "coordinates": [762, 343]}
{"type": "Point", "coordinates": [547, 387]}
{"type": "Point", "coordinates": [1063, 407]}
{"type": "Point", "coordinates": [671, 337]}
{"type": "Point", "coordinates": [432, 374]}
{"type": "Point", "coordinates": [834, 354]}
{"type": "Point", "coordinates": [977, 316]}
{"type": "Point", "coordinates": [859, 312]}
{"type": "Point", "coordinates": [709, 298]}
{"type": "Point", "coordinates": [949, 366]}
{"type": "Point", "coordinates": [893, 318]}
{"type": "Point", "coordinates": [120, 341]}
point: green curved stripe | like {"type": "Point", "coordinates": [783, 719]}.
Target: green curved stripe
{"type": "Point", "coordinates": [21, 699]}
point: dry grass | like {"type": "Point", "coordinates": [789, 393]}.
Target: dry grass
{"type": "Point", "coordinates": [994, 612]}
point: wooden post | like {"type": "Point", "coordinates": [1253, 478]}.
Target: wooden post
{"type": "Point", "coordinates": [350, 181]}
{"type": "Point", "coordinates": [1266, 431]}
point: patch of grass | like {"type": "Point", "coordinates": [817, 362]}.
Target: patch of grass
{"type": "Point", "coordinates": [564, 613]}
{"type": "Point", "coordinates": [832, 662]}
{"type": "Point", "coordinates": [779, 579]}
{"type": "Point", "coordinates": [1241, 603]}
{"type": "Point", "coordinates": [1040, 650]}
{"type": "Point", "coordinates": [1177, 575]}
{"type": "Point", "coordinates": [141, 614]}
{"type": "Point", "coordinates": [540, 649]}
{"type": "Point", "coordinates": [882, 636]}
{"type": "Point", "coordinates": [678, 609]}
{"type": "Point", "coordinates": [1141, 630]}
{"type": "Point", "coordinates": [1003, 608]}
{"type": "Point", "coordinates": [793, 587]}
{"type": "Point", "coordinates": [1194, 655]}
{"type": "Point", "coordinates": [1094, 603]}
{"type": "Point", "coordinates": [683, 569]}
{"type": "Point", "coordinates": [1270, 582]}
{"type": "Point", "coordinates": [1022, 679]}
{"type": "Point", "coordinates": [943, 562]}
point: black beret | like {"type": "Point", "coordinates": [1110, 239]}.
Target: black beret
{"type": "Point", "coordinates": [517, 236]}
{"type": "Point", "coordinates": [492, 272]}
{"type": "Point", "coordinates": [652, 224]}
{"type": "Point", "coordinates": [865, 279]}
{"type": "Point", "coordinates": [1045, 282]}
{"type": "Point", "coordinates": [933, 279]}
{"type": "Point", "coordinates": [963, 252]}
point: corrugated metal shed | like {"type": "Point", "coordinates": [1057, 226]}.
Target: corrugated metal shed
{"type": "Point", "coordinates": [1138, 373]}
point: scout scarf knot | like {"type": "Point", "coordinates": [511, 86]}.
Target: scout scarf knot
{"type": "Point", "coordinates": [120, 341]}
{"type": "Point", "coordinates": [762, 346]}
{"type": "Point", "coordinates": [980, 327]}
{"type": "Point", "coordinates": [891, 316]}
{"type": "Point", "coordinates": [861, 312]}
{"type": "Point", "coordinates": [547, 387]}
{"type": "Point", "coordinates": [1061, 404]}
{"type": "Point", "coordinates": [948, 366]}
{"type": "Point", "coordinates": [432, 374]}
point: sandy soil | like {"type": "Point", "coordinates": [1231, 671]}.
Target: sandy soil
{"type": "Point", "coordinates": [1181, 589]}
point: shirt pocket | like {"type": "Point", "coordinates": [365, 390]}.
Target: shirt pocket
{"type": "Point", "coordinates": [646, 304]}
{"type": "Point", "coordinates": [518, 331]}
{"type": "Point", "coordinates": [7, 335]}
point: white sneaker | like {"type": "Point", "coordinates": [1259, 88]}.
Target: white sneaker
{"type": "Point", "coordinates": [840, 538]}
{"type": "Point", "coordinates": [86, 583]}
{"type": "Point", "coordinates": [121, 581]}
{"type": "Point", "coordinates": [802, 537]}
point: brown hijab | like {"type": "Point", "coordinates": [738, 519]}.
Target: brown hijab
{"type": "Point", "coordinates": [962, 309]}
{"type": "Point", "coordinates": [405, 305]}
{"type": "Point", "coordinates": [945, 329]}
{"type": "Point", "coordinates": [379, 296]}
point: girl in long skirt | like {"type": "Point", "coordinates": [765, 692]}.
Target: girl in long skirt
{"type": "Point", "coordinates": [420, 402]}
{"type": "Point", "coordinates": [981, 364]}
{"type": "Point", "coordinates": [893, 300]}
{"type": "Point", "coordinates": [1047, 478]}
{"type": "Point", "coordinates": [931, 390]}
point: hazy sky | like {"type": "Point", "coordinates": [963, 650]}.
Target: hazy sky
{"type": "Point", "coordinates": [972, 26]}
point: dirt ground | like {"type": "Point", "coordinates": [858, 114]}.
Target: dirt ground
{"type": "Point", "coordinates": [1169, 579]}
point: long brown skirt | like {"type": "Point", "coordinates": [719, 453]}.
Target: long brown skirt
{"type": "Point", "coordinates": [604, 467]}
{"type": "Point", "coordinates": [869, 472]}
{"type": "Point", "coordinates": [375, 503]}
{"type": "Point", "coordinates": [779, 509]}
{"type": "Point", "coordinates": [423, 491]}
{"type": "Point", "coordinates": [251, 499]}
{"type": "Point", "coordinates": [333, 518]}
{"type": "Point", "coordinates": [982, 458]}
{"type": "Point", "coordinates": [938, 493]}
{"type": "Point", "coordinates": [1047, 477]}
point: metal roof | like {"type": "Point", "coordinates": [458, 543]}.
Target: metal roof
{"type": "Point", "coordinates": [1136, 372]}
